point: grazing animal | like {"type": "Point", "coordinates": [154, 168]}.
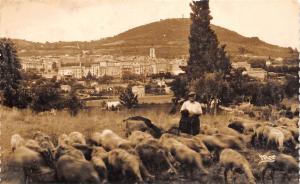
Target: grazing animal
{"type": "Point", "coordinates": [110, 140]}
{"type": "Point", "coordinates": [155, 131]}
{"type": "Point", "coordinates": [95, 138]}
{"type": "Point", "coordinates": [115, 105]}
{"type": "Point", "coordinates": [259, 138]}
{"type": "Point", "coordinates": [64, 139]}
{"type": "Point", "coordinates": [234, 161]}
{"type": "Point", "coordinates": [276, 136]}
{"type": "Point", "coordinates": [98, 156]}
{"type": "Point", "coordinates": [154, 157]}
{"type": "Point", "coordinates": [282, 162]}
{"type": "Point", "coordinates": [230, 141]}
{"type": "Point", "coordinates": [77, 137]}
{"type": "Point", "coordinates": [72, 166]}
{"type": "Point", "coordinates": [133, 125]}
{"type": "Point", "coordinates": [35, 168]}
{"type": "Point", "coordinates": [137, 136]}
{"type": "Point", "coordinates": [121, 160]}
{"type": "Point", "coordinates": [16, 141]}
{"type": "Point", "coordinates": [213, 144]}
{"type": "Point", "coordinates": [289, 140]}
{"type": "Point", "coordinates": [243, 127]}
{"type": "Point", "coordinates": [208, 130]}
{"type": "Point", "coordinates": [182, 153]}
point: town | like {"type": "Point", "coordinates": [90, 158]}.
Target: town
{"type": "Point", "coordinates": [100, 65]}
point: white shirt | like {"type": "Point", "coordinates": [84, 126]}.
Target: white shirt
{"type": "Point", "coordinates": [192, 107]}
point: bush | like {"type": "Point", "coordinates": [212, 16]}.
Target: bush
{"type": "Point", "coordinates": [128, 99]}
{"type": "Point", "coordinates": [73, 104]}
{"type": "Point", "coordinates": [291, 86]}
{"type": "Point", "coordinates": [46, 96]}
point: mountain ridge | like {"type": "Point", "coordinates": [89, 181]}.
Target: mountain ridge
{"type": "Point", "coordinates": [169, 37]}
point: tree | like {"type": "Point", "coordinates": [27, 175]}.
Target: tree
{"type": "Point", "coordinates": [128, 98]}
{"type": "Point", "coordinates": [46, 96]}
{"type": "Point", "coordinates": [10, 76]}
{"type": "Point", "coordinates": [205, 53]}
{"type": "Point", "coordinates": [208, 63]}
{"type": "Point", "coordinates": [73, 104]}
{"type": "Point", "coordinates": [89, 76]}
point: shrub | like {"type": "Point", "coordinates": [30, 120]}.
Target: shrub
{"type": "Point", "coordinates": [128, 99]}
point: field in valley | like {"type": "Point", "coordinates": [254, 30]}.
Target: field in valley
{"type": "Point", "coordinates": [25, 123]}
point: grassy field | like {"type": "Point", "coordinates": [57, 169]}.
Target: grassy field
{"type": "Point", "coordinates": [25, 123]}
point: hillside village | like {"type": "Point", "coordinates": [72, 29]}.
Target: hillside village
{"type": "Point", "coordinates": [100, 65]}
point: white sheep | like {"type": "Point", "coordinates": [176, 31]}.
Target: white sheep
{"type": "Point", "coordinates": [16, 141]}
{"type": "Point", "coordinates": [234, 161]}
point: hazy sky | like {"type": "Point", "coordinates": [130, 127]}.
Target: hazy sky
{"type": "Point", "coordinates": [274, 21]}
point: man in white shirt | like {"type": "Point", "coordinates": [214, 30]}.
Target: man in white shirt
{"type": "Point", "coordinates": [190, 112]}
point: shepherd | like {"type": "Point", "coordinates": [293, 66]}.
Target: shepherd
{"type": "Point", "coordinates": [190, 115]}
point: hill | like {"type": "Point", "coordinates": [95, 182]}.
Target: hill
{"type": "Point", "coordinates": [169, 37]}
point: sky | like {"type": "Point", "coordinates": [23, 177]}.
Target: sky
{"type": "Point", "coordinates": [274, 21]}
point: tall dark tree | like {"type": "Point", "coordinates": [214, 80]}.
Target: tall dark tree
{"type": "Point", "coordinates": [205, 53]}
{"type": "Point", "coordinates": [10, 76]}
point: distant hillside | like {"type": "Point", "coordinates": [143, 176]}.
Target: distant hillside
{"type": "Point", "coordinates": [169, 37]}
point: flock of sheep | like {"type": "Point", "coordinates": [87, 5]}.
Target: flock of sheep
{"type": "Point", "coordinates": [148, 152]}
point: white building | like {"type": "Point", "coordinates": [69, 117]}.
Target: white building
{"type": "Point", "coordinates": [138, 90]}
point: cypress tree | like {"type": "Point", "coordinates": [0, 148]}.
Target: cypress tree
{"type": "Point", "coordinates": [205, 53]}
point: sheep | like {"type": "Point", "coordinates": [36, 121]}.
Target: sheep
{"type": "Point", "coordinates": [294, 131]}
{"type": "Point", "coordinates": [154, 130]}
{"type": "Point", "coordinates": [193, 144]}
{"type": "Point", "coordinates": [208, 130]}
{"type": "Point", "coordinates": [95, 138]}
{"type": "Point", "coordinates": [109, 140]}
{"type": "Point", "coordinates": [229, 131]}
{"type": "Point", "coordinates": [287, 122]}
{"type": "Point", "coordinates": [64, 139]}
{"type": "Point", "coordinates": [259, 138]}
{"type": "Point", "coordinates": [35, 167]}
{"type": "Point", "coordinates": [213, 144]}
{"type": "Point", "coordinates": [230, 141]}
{"type": "Point", "coordinates": [121, 160]}
{"type": "Point", "coordinates": [131, 125]}
{"type": "Point", "coordinates": [182, 153]}
{"type": "Point", "coordinates": [243, 127]}
{"type": "Point", "coordinates": [154, 157]}
{"type": "Point", "coordinates": [265, 135]}
{"type": "Point", "coordinates": [277, 137]}
{"type": "Point", "coordinates": [16, 141]}
{"type": "Point", "coordinates": [73, 167]}
{"type": "Point", "coordinates": [138, 136]}
{"type": "Point", "coordinates": [282, 162]}
{"type": "Point", "coordinates": [73, 170]}
{"type": "Point", "coordinates": [44, 140]}
{"type": "Point", "coordinates": [77, 137]}
{"type": "Point", "coordinates": [289, 140]}
{"type": "Point", "coordinates": [98, 156]}
{"type": "Point", "coordinates": [234, 161]}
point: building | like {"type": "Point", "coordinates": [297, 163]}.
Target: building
{"type": "Point", "coordinates": [152, 53]}
{"type": "Point", "coordinates": [71, 71]}
{"type": "Point", "coordinates": [138, 90]}
{"type": "Point", "coordinates": [257, 73]}
{"type": "Point", "coordinates": [245, 65]}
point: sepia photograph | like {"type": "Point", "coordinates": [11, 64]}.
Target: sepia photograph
{"type": "Point", "coordinates": [149, 91]}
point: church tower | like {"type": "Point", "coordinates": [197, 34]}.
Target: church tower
{"type": "Point", "coordinates": [152, 53]}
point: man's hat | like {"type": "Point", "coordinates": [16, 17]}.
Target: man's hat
{"type": "Point", "coordinates": [192, 93]}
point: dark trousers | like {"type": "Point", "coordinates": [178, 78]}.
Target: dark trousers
{"type": "Point", "coordinates": [190, 124]}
